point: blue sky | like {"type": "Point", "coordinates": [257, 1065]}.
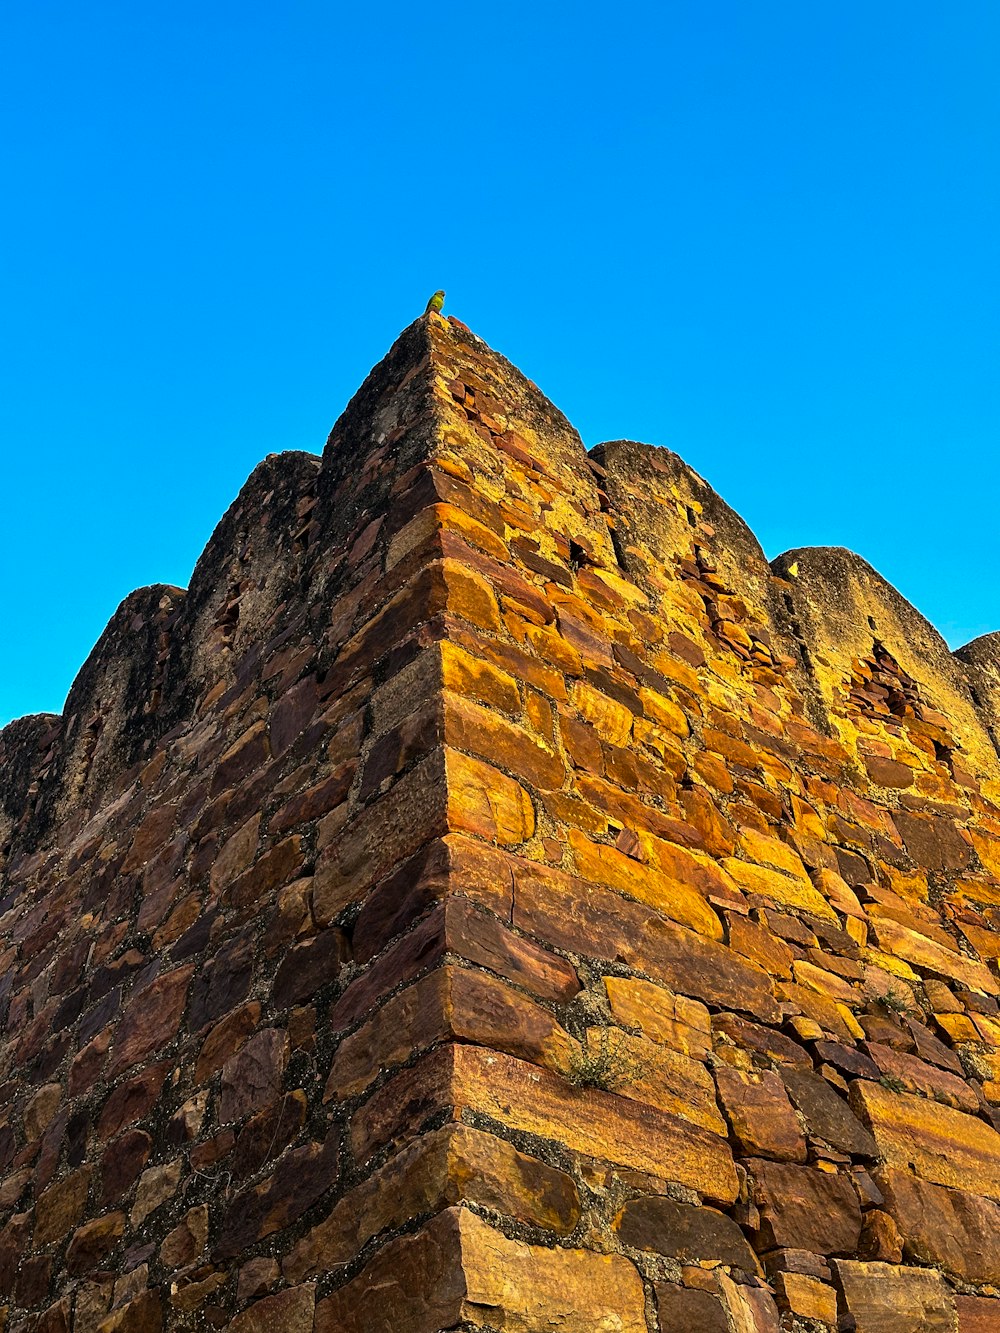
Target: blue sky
{"type": "Point", "coordinates": [764, 235]}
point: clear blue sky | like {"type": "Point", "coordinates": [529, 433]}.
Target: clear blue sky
{"type": "Point", "coordinates": [765, 235]}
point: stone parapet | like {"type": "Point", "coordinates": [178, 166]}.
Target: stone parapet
{"type": "Point", "coordinates": [493, 897]}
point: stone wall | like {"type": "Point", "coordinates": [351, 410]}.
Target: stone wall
{"type": "Point", "coordinates": [493, 898]}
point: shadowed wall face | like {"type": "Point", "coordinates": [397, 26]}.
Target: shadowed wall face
{"type": "Point", "coordinates": [493, 897]}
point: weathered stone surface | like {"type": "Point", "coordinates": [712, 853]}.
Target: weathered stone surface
{"type": "Point", "coordinates": [802, 1208]}
{"type": "Point", "coordinates": [460, 1268]}
{"type": "Point", "coordinates": [142, 1315]}
{"type": "Point", "coordinates": [760, 1115]}
{"type": "Point", "coordinates": [60, 1207]}
{"type": "Point", "coordinates": [683, 1232]}
{"type": "Point", "coordinates": [252, 1078]}
{"type": "Point", "coordinates": [291, 1311]}
{"type": "Point", "coordinates": [486, 820]}
{"type": "Point", "coordinates": [882, 1298]}
{"type": "Point", "coordinates": [944, 1146]}
{"type": "Point", "coordinates": [93, 1242]}
{"type": "Point", "coordinates": [151, 1021]}
{"type": "Point", "coordinates": [449, 1003]}
{"type": "Point", "coordinates": [449, 1166]}
{"type": "Point", "coordinates": [680, 1309]}
{"type": "Point", "coordinates": [302, 1176]}
{"type": "Point", "coordinates": [534, 1101]}
{"type": "Point", "coordinates": [826, 1113]}
{"type": "Point", "coordinates": [807, 1297]}
{"type": "Point", "coordinates": [949, 1228]}
{"type": "Point", "coordinates": [977, 1314]}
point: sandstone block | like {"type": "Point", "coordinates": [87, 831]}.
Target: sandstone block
{"type": "Point", "coordinates": [977, 1314]}
{"type": "Point", "coordinates": [683, 1309]}
{"type": "Point", "coordinates": [151, 1020]}
{"type": "Point", "coordinates": [446, 1167]}
{"type": "Point", "coordinates": [458, 1268]}
{"type": "Point", "coordinates": [760, 1115]}
{"type": "Point", "coordinates": [826, 1112]}
{"type": "Point", "coordinates": [944, 1146]}
{"type": "Point", "coordinates": [678, 888]}
{"type": "Point", "coordinates": [883, 1298]}
{"type": "Point", "coordinates": [806, 1297]}
{"type": "Point", "coordinates": [290, 1311]}
{"type": "Point", "coordinates": [949, 1228]}
{"type": "Point", "coordinates": [802, 1208]}
{"type": "Point", "coordinates": [252, 1078]}
{"type": "Point", "coordinates": [683, 1232]}
{"type": "Point", "coordinates": [485, 802]}
{"type": "Point", "coordinates": [536, 1101]}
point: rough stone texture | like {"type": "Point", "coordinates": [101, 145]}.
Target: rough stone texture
{"type": "Point", "coordinates": [882, 1298]}
{"type": "Point", "coordinates": [492, 896]}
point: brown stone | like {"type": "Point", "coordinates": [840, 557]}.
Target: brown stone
{"type": "Point", "coordinates": [257, 1278]}
{"type": "Point", "coordinates": [186, 1241]}
{"type": "Point", "coordinates": [221, 984]}
{"type": "Point", "coordinates": [535, 1101]}
{"type": "Point", "coordinates": [151, 1020]}
{"type": "Point", "coordinates": [122, 1162]}
{"type": "Point", "coordinates": [595, 921]}
{"type": "Point", "coordinates": [308, 966]}
{"type": "Point", "coordinates": [131, 1100]}
{"type": "Point", "coordinates": [142, 1315]}
{"type": "Point", "coordinates": [268, 1133]}
{"type": "Point", "coordinates": [235, 854]}
{"type": "Point", "coordinates": [951, 1229]}
{"type": "Point", "coordinates": [682, 1310]}
{"type": "Point", "coordinates": [754, 941]}
{"type": "Point", "coordinates": [225, 1039]}
{"type": "Point", "coordinates": [920, 1077]}
{"type": "Point", "coordinates": [451, 1002]}
{"type": "Point", "coordinates": [61, 1206]}
{"type": "Point", "coordinates": [887, 772]}
{"type": "Point", "coordinates": [485, 802]}
{"type": "Point", "coordinates": [479, 731]}
{"type": "Point", "coordinates": [977, 1314]}
{"type": "Point", "coordinates": [302, 1176]}
{"type": "Point", "coordinates": [252, 1078]}
{"type": "Point", "coordinates": [882, 1298]}
{"type": "Point", "coordinates": [802, 1208]}
{"type": "Point", "coordinates": [156, 1186]}
{"type": "Point", "coordinates": [34, 1277]}
{"type": "Point", "coordinates": [806, 1297]}
{"type": "Point", "coordinates": [880, 1238]}
{"type": "Point", "coordinates": [933, 842]}
{"type": "Point", "coordinates": [826, 1113]}
{"type": "Point", "coordinates": [275, 867]}
{"type": "Point", "coordinates": [660, 1015]}
{"type": "Point", "coordinates": [760, 1115]}
{"type": "Point", "coordinates": [388, 830]}
{"type": "Point", "coordinates": [93, 1242]}
{"type": "Point", "coordinates": [683, 1232]}
{"type": "Point", "coordinates": [449, 1166]}
{"type": "Point", "coordinates": [291, 1311]}
{"type": "Point", "coordinates": [458, 1268]}
{"type": "Point", "coordinates": [677, 885]}
{"type": "Point", "coordinates": [943, 1146]}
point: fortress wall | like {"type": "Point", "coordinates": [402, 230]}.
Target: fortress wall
{"type": "Point", "coordinates": [535, 912]}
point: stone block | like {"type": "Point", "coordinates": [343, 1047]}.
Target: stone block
{"type": "Point", "coordinates": [943, 1146]}
{"type": "Point", "coordinates": [884, 1298]}
{"type": "Point", "coordinates": [458, 1268]}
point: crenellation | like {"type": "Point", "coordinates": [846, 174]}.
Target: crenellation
{"type": "Point", "coordinates": [493, 897]}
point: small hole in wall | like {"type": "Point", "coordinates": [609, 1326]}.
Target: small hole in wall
{"type": "Point", "coordinates": [871, 625]}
